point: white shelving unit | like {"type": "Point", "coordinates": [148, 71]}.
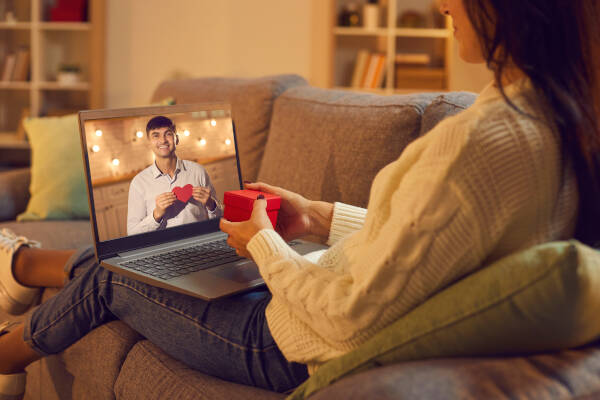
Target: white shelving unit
{"type": "Point", "coordinates": [391, 40]}
{"type": "Point", "coordinates": [50, 44]}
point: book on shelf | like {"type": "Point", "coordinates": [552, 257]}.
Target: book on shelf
{"type": "Point", "coordinates": [375, 70]}
{"type": "Point", "coordinates": [369, 70]}
{"type": "Point", "coordinates": [9, 67]}
{"type": "Point", "coordinates": [21, 72]}
{"type": "Point", "coordinates": [362, 60]}
{"type": "Point", "coordinates": [416, 59]}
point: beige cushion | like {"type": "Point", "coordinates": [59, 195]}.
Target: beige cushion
{"type": "Point", "coordinates": [445, 105]}
{"type": "Point", "coordinates": [329, 145]}
{"type": "Point", "coordinates": [70, 234]}
{"type": "Point", "coordinates": [251, 105]}
{"type": "Point", "coordinates": [150, 374]}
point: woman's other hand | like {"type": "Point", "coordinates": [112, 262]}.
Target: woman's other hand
{"type": "Point", "coordinates": [240, 233]}
{"type": "Point", "coordinates": [298, 216]}
{"type": "Point", "coordinates": [293, 220]}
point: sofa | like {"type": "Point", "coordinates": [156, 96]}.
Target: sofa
{"type": "Point", "coordinates": [325, 144]}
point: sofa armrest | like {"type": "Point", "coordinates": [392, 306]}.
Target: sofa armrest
{"type": "Point", "coordinates": [14, 192]}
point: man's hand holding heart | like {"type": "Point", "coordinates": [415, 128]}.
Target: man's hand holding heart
{"type": "Point", "coordinates": [200, 194]}
{"type": "Point", "coordinates": [163, 201]}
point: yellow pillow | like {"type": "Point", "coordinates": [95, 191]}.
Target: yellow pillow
{"type": "Point", "coordinates": [57, 186]}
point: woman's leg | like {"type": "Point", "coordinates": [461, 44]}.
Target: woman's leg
{"type": "Point", "coordinates": [39, 267]}
{"type": "Point", "coordinates": [227, 338]}
{"type": "Point", "coordinates": [15, 354]}
{"type": "Point", "coordinates": [34, 267]}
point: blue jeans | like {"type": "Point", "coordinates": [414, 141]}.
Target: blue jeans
{"type": "Point", "coordinates": [227, 338]}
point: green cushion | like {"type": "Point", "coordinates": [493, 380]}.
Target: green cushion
{"type": "Point", "coordinates": [57, 180]}
{"type": "Point", "coordinates": [542, 299]}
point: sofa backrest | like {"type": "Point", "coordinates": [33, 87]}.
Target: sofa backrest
{"type": "Point", "coordinates": [329, 145]}
{"type": "Point", "coordinates": [251, 103]}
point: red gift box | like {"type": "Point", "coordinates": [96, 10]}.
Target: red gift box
{"type": "Point", "coordinates": [239, 204]}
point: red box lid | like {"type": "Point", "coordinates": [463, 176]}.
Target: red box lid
{"type": "Point", "coordinates": [244, 199]}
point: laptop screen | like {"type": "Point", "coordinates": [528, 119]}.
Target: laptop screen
{"type": "Point", "coordinates": [158, 170]}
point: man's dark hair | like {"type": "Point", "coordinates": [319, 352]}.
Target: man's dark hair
{"type": "Point", "coordinates": [556, 44]}
{"type": "Point", "coordinates": [159, 122]}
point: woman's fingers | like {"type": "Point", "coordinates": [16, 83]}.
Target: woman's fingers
{"type": "Point", "coordinates": [263, 187]}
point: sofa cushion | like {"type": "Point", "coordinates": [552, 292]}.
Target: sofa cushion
{"type": "Point", "coordinates": [149, 373]}
{"type": "Point", "coordinates": [568, 374]}
{"type": "Point", "coordinates": [251, 106]}
{"type": "Point", "coordinates": [57, 186]}
{"type": "Point", "coordinates": [95, 361]}
{"type": "Point", "coordinates": [542, 299]}
{"type": "Point", "coordinates": [88, 369]}
{"type": "Point", "coordinates": [444, 106]}
{"type": "Point", "coordinates": [329, 145]}
{"type": "Point", "coordinates": [54, 234]}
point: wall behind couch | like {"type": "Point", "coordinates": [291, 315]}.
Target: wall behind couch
{"type": "Point", "coordinates": [152, 40]}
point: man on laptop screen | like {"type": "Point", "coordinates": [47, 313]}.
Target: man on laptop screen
{"type": "Point", "coordinates": [170, 191]}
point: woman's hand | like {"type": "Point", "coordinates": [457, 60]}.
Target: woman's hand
{"type": "Point", "coordinates": [298, 216]}
{"type": "Point", "coordinates": [240, 233]}
{"type": "Point", "coordinates": [293, 220]}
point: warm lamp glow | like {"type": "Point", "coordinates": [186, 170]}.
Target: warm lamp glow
{"type": "Point", "coordinates": [186, 133]}
{"type": "Point", "coordinates": [202, 142]}
{"type": "Point", "coordinates": [98, 132]}
{"type": "Point", "coordinates": [228, 142]}
{"type": "Point", "coordinates": [115, 162]}
{"type": "Point", "coordinates": [139, 134]}
{"type": "Point", "coordinates": [213, 122]}
{"type": "Point", "coordinates": [95, 148]}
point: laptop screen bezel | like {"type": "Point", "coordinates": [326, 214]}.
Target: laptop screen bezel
{"type": "Point", "coordinates": [110, 248]}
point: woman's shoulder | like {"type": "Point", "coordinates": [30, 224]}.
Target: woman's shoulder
{"type": "Point", "coordinates": [493, 119]}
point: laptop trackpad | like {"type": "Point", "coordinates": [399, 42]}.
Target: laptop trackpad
{"type": "Point", "coordinates": [237, 273]}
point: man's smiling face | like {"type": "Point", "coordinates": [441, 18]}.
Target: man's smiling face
{"type": "Point", "coordinates": [162, 142]}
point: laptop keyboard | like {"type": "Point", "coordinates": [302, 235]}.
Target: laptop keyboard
{"type": "Point", "coordinates": [184, 261]}
{"type": "Point", "coordinates": [190, 259]}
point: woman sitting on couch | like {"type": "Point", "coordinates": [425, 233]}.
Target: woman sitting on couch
{"type": "Point", "coordinates": [519, 168]}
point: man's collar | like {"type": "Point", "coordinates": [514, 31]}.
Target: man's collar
{"type": "Point", "coordinates": [179, 166]}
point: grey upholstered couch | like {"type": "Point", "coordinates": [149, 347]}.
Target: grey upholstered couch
{"type": "Point", "coordinates": [326, 145]}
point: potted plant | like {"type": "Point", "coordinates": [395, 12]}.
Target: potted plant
{"type": "Point", "coordinates": [69, 74]}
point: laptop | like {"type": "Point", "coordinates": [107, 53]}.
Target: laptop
{"type": "Point", "coordinates": [183, 250]}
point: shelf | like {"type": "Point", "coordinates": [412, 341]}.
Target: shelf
{"type": "Point", "coordinates": [15, 85]}
{"type": "Point", "coordinates": [359, 31]}
{"type": "Point", "coordinates": [422, 33]}
{"type": "Point", "coordinates": [63, 86]}
{"type": "Point", "coordinates": [10, 140]}
{"type": "Point", "coordinates": [65, 26]}
{"type": "Point", "coordinates": [400, 32]}
{"type": "Point", "coordinates": [15, 25]}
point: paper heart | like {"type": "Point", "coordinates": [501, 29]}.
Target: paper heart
{"type": "Point", "coordinates": [183, 194]}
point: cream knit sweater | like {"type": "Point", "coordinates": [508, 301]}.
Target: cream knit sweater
{"type": "Point", "coordinates": [481, 185]}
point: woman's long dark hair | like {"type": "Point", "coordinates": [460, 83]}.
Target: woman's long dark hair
{"type": "Point", "coordinates": [556, 44]}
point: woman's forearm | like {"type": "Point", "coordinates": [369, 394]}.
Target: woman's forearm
{"type": "Point", "coordinates": [321, 215]}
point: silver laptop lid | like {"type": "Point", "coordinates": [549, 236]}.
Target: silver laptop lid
{"type": "Point", "coordinates": [157, 174]}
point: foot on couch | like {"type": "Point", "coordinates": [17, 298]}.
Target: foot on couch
{"type": "Point", "coordinates": [14, 298]}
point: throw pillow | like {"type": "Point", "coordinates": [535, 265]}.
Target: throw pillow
{"type": "Point", "coordinates": [542, 299]}
{"type": "Point", "coordinates": [57, 180]}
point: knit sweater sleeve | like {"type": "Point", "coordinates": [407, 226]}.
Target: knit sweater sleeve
{"type": "Point", "coordinates": [346, 220]}
{"type": "Point", "coordinates": [434, 215]}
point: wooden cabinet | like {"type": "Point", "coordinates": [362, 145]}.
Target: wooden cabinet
{"type": "Point", "coordinates": [50, 45]}
{"type": "Point", "coordinates": [111, 210]}
{"type": "Point", "coordinates": [390, 39]}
